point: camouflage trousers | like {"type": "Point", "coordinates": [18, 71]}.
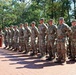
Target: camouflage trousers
{"type": "Point", "coordinates": [73, 49]}
{"type": "Point", "coordinates": [6, 42]}
{"type": "Point", "coordinates": [26, 45]}
{"type": "Point", "coordinates": [33, 46]}
{"type": "Point", "coordinates": [61, 50]}
{"type": "Point", "coordinates": [50, 48]}
{"type": "Point", "coordinates": [21, 44]}
{"type": "Point", "coordinates": [42, 46]}
{"type": "Point", "coordinates": [12, 43]}
{"type": "Point", "coordinates": [9, 42]}
{"type": "Point", "coordinates": [16, 43]}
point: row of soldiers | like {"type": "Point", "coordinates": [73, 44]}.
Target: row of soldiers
{"type": "Point", "coordinates": [56, 41]}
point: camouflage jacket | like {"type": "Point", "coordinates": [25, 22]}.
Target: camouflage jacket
{"type": "Point", "coordinates": [63, 31]}
{"type": "Point", "coordinates": [34, 32]}
{"type": "Point", "coordinates": [21, 32]}
{"type": "Point", "coordinates": [16, 34]}
{"type": "Point", "coordinates": [73, 28]}
{"type": "Point", "coordinates": [51, 32]}
{"type": "Point", "coordinates": [9, 34]}
{"type": "Point", "coordinates": [5, 34]}
{"type": "Point", "coordinates": [42, 30]}
{"type": "Point", "coordinates": [12, 33]}
{"type": "Point", "coordinates": [27, 32]}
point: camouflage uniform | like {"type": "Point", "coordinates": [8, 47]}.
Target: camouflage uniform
{"type": "Point", "coordinates": [5, 37]}
{"type": "Point", "coordinates": [9, 37]}
{"type": "Point", "coordinates": [41, 38]}
{"type": "Point", "coordinates": [27, 33]}
{"type": "Point", "coordinates": [16, 38]}
{"type": "Point", "coordinates": [73, 42]}
{"type": "Point", "coordinates": [34, 36]}
{"type": "Point", "coordinates": [62, 32]}
{"type": "Point", "coordinates": [51, 36]}
{"type": "Point", "coordinates": [21, 37]}
{"type": "Point", "coordinates": [12, 37]}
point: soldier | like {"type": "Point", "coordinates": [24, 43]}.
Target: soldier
{"type": "Point", "coordinates": [34, 36]}
{"type": "Point", "coordinates": [73, 42]}
{"type": "Point", "coordinates": [5, 37]}
{"type": "Point", "coordinates": [62, 32]}
{"type": "Point", "coordinates": [27, 33]}
{"type": "Point", "coordinates": [51, 36]}
{"type": "Point", "coordinates": [9, 38]}
{"type": "Point", "coordinates": [16, 38]}
{"type": "Point", "coordinates": [12, 36]}
{"type": "Point", "coordinates": [21, 37]}
{"type": "Point", "coordinates": [41, 37]}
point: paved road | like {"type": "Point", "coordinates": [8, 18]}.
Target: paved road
{"type": "Point", "coordinates": [14, 63]}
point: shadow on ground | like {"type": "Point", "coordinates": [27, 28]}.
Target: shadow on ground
{"type": "Point", "coordinates": [28, 61]}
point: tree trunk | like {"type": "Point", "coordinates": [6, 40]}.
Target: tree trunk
{"type": "Point", "coordinates": [68, 10]}
{"type": "Point", "coordinates": [52, 10]}
{"type": "Point", "coordinates": [62, 12]}
{"type": "Point", "coordinates": [74, 1]}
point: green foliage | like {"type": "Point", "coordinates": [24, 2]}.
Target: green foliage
{"type": "Point", "coordinates": [16, 12]}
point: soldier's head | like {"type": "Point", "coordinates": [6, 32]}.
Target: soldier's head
{"type": "Point", "coordinates": [8, 28]}
{"type": "Point", "coordinates": [33, 23]}
{"type": "Point", "coordinates": [61, 20]}
{"type": "Point", "coordinates": [25, 24]}
{"type": "Point", "coordinates": [15, 27]}
{"type": "Point", "coordinates": [41, 21]}
{"type": "Point", "coordinates": [5, 28]}
{"type": "Point", "coordinates": [21, 25]}
{"type": "Point", "coordinates": [50, 22]}
{"type": "Point", "coordinates": [73, 22]}
{"type": "Point", "coordinates": [11, 26]}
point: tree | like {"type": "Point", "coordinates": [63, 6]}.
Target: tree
{"type": "Point", "coordinates": [11, 12]}
{"type": "Point", "coordinates": [74, 1]}
{"type": "Point", "coordinates": [19, 11]}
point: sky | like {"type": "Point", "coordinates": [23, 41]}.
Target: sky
{"type": "Point", "coordinates": [72, 5]}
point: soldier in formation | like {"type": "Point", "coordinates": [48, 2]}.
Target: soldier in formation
{"type": "Point", "coordinates": [5, 37]}
{"type": "Point", "coordinates": [48, 38]}
{"type": "Point", "coordinates": [21, 37]}
{"type": "Point", "coordinates": [63, 31]}
{"type": "Point", "coordinates": [42, 37]}
{"type": "Point", "coordinates": [16, 38]}
{"type": "Point", "coordinates": [51, 39]}
{"type": "Point", "coordinates": [12, 37]}
{"type": "Point", "coordinates": [27, 33]}
{"type": "Point", "coordinates": [9, 37]}
{"type": "Point", "coordinates": [73, 40]}
{"type": "Point", "coordinates": [34, 37]}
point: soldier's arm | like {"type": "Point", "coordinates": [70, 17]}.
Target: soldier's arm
{"type": "Point", "coordinates": [68, 29]}
{"type": "Point", "coordinates": [46, 37]}
{"type": "Point", "coordinates": [29, 31]}
{"type": "Point", "coordinates": [70, 33]}
{"type": "Point", "coordinates": [5, 33]}
{"type": "Point", "coordinates": [19, 32]}
{"type": "Point", "coordinates": [23, 32]}
{"type": "Point", "coordinates": [46, 28]}
{"type": "Point", "coordinates": [55, 28]}
{"type": "Point", "coordinates": [36, 31]}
